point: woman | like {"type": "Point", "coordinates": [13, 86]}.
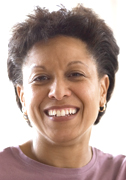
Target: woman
{"type": "Point", "coordinates": [62, 65]}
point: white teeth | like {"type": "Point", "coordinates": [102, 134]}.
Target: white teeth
{"type": "Point", "coordinates": [66, 112]}
{"type": "Point", "coordinates": [63, 112]}
{"type": "Point", "coordinates": [73, 111]}
{"type": "Point", "coordinates": [50, 113]}
{"type": "Point", "coordinates": [54, 112]}
{"type": "Point", "coordinates": [58, 113]}
{"type": "Point", "coordinates": [70, 111]}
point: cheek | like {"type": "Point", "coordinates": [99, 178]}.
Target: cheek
{"type": "Point", "coordinates": [87, 92]}
{"type": "Point", "coordinates": [89, 96]}
{"type": "Point", "coordinates": [33, 96]}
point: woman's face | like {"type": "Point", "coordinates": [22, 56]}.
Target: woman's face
{"type": "Point", "coordinates": [61, 91]}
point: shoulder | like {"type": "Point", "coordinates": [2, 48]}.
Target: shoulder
{"type": "Point", "coordinates": [5, 162]}
{"type": "Point", "coordinates": [10, 163]}
{"type": "Point", "coordinates": [106, 157]}
{"type": "Point", "coordinates": [111, 164]}
{"type": "Point", "coordinates": [5, 153]}
{"type": "Point", "coordinates": [8, 155]}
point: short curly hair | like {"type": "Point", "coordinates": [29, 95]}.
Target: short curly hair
{"type": "Point", "coordinates": [80, 22]}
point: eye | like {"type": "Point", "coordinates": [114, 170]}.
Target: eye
{"type": "Point", "coordinates": [75, 74]}
{"type": "Point", "coordinates": [41, 78]}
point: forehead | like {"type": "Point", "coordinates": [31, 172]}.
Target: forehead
{"type": "Point", "coordinates": [62, 48]}
{"type": "Point", "coordinates": [60, 41]}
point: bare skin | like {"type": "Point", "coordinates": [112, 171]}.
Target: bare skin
{"type": "Point", "coordinates": [58, 156]}
{"type": "Point", "coordinates": [61, 75]}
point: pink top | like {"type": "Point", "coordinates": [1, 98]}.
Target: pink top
{"type": "Point", "coordinates": [14, 165]}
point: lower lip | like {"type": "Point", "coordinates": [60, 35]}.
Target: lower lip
{"type": "Point", "coordinates": [62, 118]}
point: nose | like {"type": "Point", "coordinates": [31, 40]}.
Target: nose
{"type": "Point", "coordinates": [59, 89]}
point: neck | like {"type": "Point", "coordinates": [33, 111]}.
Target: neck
{"type": "Point", "coordinates": [59, 155]}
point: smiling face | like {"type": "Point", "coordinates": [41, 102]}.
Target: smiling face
{"type": "Point", "coordinates": [61, 91]}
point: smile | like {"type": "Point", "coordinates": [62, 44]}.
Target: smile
{"type": "Point", "coordinates": [61, 112]}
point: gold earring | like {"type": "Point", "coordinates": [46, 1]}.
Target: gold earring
{"type": "Point", "coordinates": [102, 109]}
{"type": "Point", "coordinates": [27, 119]}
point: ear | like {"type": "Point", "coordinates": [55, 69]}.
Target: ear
{"type": "Point", "coordinates": [20, 92]}
{"type": "Point", "coordinates": [104, 85]}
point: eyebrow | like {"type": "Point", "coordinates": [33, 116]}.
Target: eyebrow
{"type": "Point", "coordinates": [35, 66]}
{"type": "Point", "coordinates": [76, 62]}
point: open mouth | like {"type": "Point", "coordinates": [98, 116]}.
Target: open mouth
{"type": "Point", "coordinates": [61, 112]}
